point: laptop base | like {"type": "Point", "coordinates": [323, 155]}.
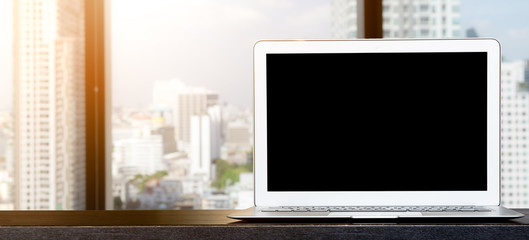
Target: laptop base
{"type": "Point", "coordinates": [496, 212]}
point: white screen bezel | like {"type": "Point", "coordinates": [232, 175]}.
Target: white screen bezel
{"type": "Point", "coordinates": [489, 197]}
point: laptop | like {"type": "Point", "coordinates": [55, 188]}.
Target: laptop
{"type": "Point", "coordinates": [369, 129]}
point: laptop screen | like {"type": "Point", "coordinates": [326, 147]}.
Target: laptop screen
{"type": "Point", "coordinates": [377, 121]}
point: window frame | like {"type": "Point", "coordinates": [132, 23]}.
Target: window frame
{"type": "Point", "coordinates": [96, 101]}
{"type": "Point", "coordinates": [369, 15]}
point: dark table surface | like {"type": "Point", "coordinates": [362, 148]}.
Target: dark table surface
{"type": "Point", "coordinates": [213, 224]}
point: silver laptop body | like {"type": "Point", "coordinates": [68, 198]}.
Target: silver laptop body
{"type": "Point", "coordinates": [374, 129]}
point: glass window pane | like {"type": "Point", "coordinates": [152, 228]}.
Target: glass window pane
{"type": "Point", "coordinates": [42, 127]}
{"type": "Point", "coordinates": [182, 96]}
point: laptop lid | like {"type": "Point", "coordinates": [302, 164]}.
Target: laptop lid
{"type": "Point", "coordinates": [377, 122]}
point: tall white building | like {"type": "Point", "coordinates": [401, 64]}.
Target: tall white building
{"type": "Point", "coordinates": [515, 134]}
{"type": "Point", "coordinates": [205, 142]}
{"type": "Point", "coordinates": [215, 117]}
{"type": "Point", "coordinates": [185, 102]}
{"type": "Point", "coordinates": [200, 153]}
{"type": "Point", "coordinates": [402, 18]}
{"type": "Point", "coordinates": [49, 104]}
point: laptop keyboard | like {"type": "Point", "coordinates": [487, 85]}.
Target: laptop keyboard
{"type": "Point", "coordinates": [379, 209]}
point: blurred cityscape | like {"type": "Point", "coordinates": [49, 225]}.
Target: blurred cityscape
{"type": "Point", "coordinates": [206, 162]}
{"type": "Point", "coordinates": [186, 149]}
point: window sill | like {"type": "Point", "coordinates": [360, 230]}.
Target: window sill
{"type": "Point", "coordinates": [209, 224]}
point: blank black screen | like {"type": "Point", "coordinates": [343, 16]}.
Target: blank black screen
{"type": "Point", "coordinates": [377, 122]}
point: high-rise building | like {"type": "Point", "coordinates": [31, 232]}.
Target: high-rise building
{"type": "Point", "coordinates": [184, 101]}
{"type": "Point", "coordinates": [49, 101]}
{"type": "Point", "coordinates": [205, 141]}
{"type": "Point", "coordinates": [402, 18]}
{"type": "Point", "coordinates": [200, 152]}
{"type": "Point", "coordinates": [515, 133]}
{"type": "Point", "coordinates": [215, 118]}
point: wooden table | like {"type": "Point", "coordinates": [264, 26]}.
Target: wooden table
{"type": "Point", "coordinates": [213, 224]}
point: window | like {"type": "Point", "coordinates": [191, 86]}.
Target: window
{"type": "Point", "coordinates": [182, 95]}
{"type": "Point", "coordinates": [180, 136]}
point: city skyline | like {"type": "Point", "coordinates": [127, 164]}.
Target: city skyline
{"type": "Point", "coordinates": [190, 124]}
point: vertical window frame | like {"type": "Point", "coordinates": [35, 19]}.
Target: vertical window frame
{"type": "Point", "coordinates": [369, 14]}
{"type": "Point", "coordinates": [95, 89]}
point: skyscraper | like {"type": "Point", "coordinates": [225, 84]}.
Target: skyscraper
{"type": "Point", "coordinates": [184, 101]}
{"type": "Point", "coordinates": [402, 18]}
{"type": "Point", "coordinates": [205, 141]}
{"type": "Point", "coordinates": [49, 104]}
{"type": "Point", "coordinates": [200, 152]}
{"type": "Point", "coordinates": [515, 133]}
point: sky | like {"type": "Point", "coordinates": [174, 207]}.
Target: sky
{"type": "Point", "coordinates": [507, 21]}
{"type": "Point", "coordinates": [208, 43]}
{"type": "Point", "coordinates": [205, 43]}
